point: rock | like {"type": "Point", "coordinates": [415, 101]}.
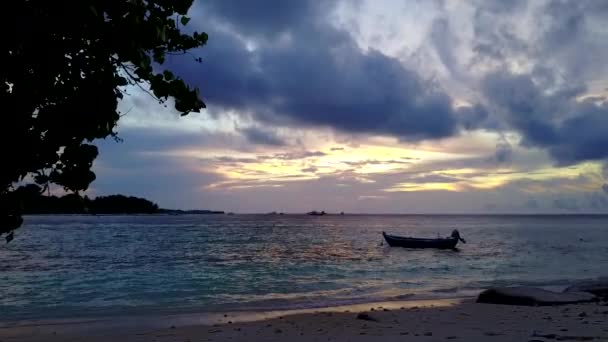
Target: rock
{"type": "Point", "coordinates": [582, 314]}
{"type": "Point", "coordinates": [532, 296]}
{"type": "Point", "coordinates": [366, 317]}
{"type": "Point", "coordinates": [428, 334]}
{"type": "Point", "coordinates": [451, 337]}
{"type": "Point", "coordinates": [598, 287]}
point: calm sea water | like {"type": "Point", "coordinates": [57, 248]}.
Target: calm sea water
{"type": "Point", "coordinates": [70, 266]}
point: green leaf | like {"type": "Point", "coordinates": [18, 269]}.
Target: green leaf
{"type": "Point", "coordinates": [185, 20]}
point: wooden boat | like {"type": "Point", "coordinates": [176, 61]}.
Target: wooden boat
{"type": "Point", "coordinates": [409, 242]}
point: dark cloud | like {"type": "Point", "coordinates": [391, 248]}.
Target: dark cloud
{"type": "Point", "coordinates": [261, 136]}
{"type": "Point", "coordinates": [605, 188]}
{"type": "Point", "coordinates": [310, 169]}
{"type": "Point", "coordinates": [294, 155]}
{"type": "Point", "coordinates": [504, 151]}
{"type": "Point", "coordinates": [337, 148]}
{"type": "Point", "coordinates": [265, 18]}
{"type": "Point", "coordinates": [598, 201]}
{"type": "Point", "coordinates": [570, 204]}
{"type": "Point", "coordinates": [472, 117]}
{"type": "Point", "coordinates": [375, 162]}
{"type": "Point", "coordinates": [532, 204]}
{"type": "Point", "coordinates": [313, 74]}
{"type": "Point", "coordinates": [233, 160]}
{"type": "Point", "coordinates": [571, 130]}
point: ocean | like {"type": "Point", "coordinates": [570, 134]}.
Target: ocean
{"type": "Point", "coordinates": [95, 266]}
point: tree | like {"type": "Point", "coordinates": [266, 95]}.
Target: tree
{"type": "Point", "coordinates": [66, 66]}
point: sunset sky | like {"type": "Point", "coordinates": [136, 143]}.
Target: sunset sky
{"type": "Point", "coordinates": [378, 106]}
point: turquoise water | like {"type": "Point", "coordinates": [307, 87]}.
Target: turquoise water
{"type": "Point", "coordinates": [74, 266]}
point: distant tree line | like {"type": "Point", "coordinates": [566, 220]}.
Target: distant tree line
{"type": "Point", "coordinates": [32, 201]}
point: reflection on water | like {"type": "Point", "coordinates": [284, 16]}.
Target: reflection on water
{"type": "Point", "coordinates": [62, 266]}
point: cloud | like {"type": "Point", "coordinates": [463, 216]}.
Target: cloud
{"type": "Point", "coordinates": [310, 169]}
{"type": "Point", "coordinates": [605, 188]}
{"type": "Point", "coordinates": [261, 136]}
{"type": "Point", "coordinates": [375, 162]}
{"type": "Point", "coordinates": [504, 151]}
{"type": "Point", "coordinates": [294, 155]}
{"type": "Point", "coordinates": [569, 204]}
{"type": "Point", "coordinates": [313, 73]}
{"type": "Point", "coordinates": [532, 204]}
{"type": "Point", "coordinates": [572, 130]}
{"type": "Point", "coordinates": [598, 201]}
{"type": "Point", "coordinates": [266, 18]}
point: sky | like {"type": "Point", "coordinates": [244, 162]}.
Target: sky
{"type": "Point", "coordinates": [378, 106]}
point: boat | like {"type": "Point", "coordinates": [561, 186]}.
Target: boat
{"type": "Point", "coordinates": [316, 213]}
{"type": "Point", "coordinates": [410, 242]}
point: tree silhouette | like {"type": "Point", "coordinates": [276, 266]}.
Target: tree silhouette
{"type": "Point", "coordinates": [66, 66]}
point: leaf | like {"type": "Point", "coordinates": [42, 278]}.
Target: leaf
{"type": "Point", "coordinates": [168, 75]}
{"type": "Point", "coordinates": [74, 100]}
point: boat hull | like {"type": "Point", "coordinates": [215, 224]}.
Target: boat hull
{"type": "Point", "coordinates": [442, 243]}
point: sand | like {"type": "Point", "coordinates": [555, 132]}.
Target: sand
{"type": "Point", "coordinates": [453, 320]}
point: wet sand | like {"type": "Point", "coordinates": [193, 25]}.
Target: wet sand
{"type": "Point", "coordinates": [457, 320]}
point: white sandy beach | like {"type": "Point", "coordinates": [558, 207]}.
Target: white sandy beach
{"type": "Point", "coordinates": [427, 321]}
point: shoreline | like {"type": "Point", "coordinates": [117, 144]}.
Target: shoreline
{"type": "Point", "coordinates": [426, 320]}
{"type": "Point", "coordinates": [160, 320]}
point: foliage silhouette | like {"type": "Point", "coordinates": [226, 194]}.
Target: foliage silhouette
{"type": "Point", "coordinates": [66, 66]}
{"type": "Point", "coordinates": [34, 203]}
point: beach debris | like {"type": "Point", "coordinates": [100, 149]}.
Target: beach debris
{"type": "Point", "coordinates": [366, 317]}
{"type": "Point", "coordinates": [532, 296]}
{"type": "Point", "coordinates": [562, 337]}
{"type": "Point", "coordinates": [548, 336]}
{"type": "Point", "coordinates": [575, 338]}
